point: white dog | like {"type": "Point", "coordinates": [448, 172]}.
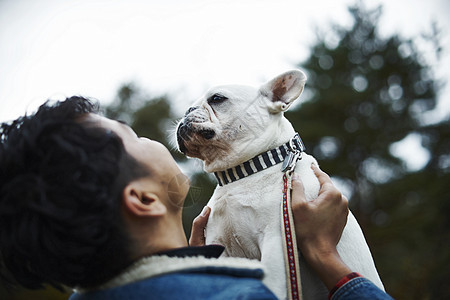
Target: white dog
{"type": "Point", "coordinates": [227, 129]}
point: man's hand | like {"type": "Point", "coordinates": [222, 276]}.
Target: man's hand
{"type": "Point", "coordinates": [318, 225]}
{"type": "Point", "coordinates": [198, 228]}
{"type": "Point", "coordinates": [320, 222]}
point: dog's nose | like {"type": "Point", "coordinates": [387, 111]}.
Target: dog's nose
{"type": "Point", "coordinates": [191, 109]}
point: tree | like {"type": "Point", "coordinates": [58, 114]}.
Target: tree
{"type": "Point", "coordinates": [366, 93]}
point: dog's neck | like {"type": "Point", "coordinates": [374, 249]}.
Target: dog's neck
{"type": "Point", "coordinates": [257, 141]}
{"type": "Point", "coordinates": [260, 162]}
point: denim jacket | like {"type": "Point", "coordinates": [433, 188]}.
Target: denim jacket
{"type": "Point", "coordinates": [170, 276]}
{"type": "Point", "coordinates": [198, 275]}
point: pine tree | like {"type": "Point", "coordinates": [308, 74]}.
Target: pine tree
{"type": "Point", "coordinates": [365, 93]}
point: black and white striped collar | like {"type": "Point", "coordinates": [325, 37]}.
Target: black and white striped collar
{"type": "Point", "coordinates": [258, 163]}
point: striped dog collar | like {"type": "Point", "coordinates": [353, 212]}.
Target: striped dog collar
{"type": "Point", "coordinates": [258, 163]}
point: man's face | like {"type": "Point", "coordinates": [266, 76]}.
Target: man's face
{"type": "Point", "coordinates": [164, 175]}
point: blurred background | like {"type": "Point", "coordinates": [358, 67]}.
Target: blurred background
{"type": "Point", "coordinates": [375, 111]}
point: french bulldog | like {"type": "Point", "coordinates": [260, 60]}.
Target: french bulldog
{"type": "Point", "coordinates": [232, 124]}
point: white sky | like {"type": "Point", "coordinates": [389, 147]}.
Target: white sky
{"type": "Point", "coordinates": [54, 49]}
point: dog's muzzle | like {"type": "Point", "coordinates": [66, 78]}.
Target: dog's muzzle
{"type": "Point", "coordinates": [186, 130]}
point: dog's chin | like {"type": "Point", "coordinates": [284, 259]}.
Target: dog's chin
{"type": "Point", "coordinates": [197, 146]}
{"type": "Point", "coordinates": [204, 146]}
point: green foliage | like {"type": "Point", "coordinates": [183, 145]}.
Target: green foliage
{"type": "Point", "coordinates": [365, 93]}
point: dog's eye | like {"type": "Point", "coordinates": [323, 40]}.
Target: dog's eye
{"type": "Point", "coordinates": [217, 98]}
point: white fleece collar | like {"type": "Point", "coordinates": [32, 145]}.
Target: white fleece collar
{"type": "Point", "coordinates": [159, 265]}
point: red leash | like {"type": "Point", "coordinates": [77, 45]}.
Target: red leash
{"type": "Point", "coordinates": [290, 243]}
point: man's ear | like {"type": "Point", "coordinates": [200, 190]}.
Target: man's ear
{"type": "Point", "coordinates": [142, 204]}
{"type": "Point", "coordinates": [283, 90]}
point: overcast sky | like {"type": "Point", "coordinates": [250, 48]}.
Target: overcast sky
{"type": "Point", "coordinates": [53, 49]}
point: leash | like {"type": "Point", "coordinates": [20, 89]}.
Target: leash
{"type": "Point", "coordinates": [288, 153]}
{"type": "Point", "coordinates": [289, 238]}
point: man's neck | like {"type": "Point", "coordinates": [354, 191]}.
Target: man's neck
{"type": "Point", "coordinates": [166, 235]}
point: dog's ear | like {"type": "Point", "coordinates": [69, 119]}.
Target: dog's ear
{"type": "Point", "coordinates": [283, 90]}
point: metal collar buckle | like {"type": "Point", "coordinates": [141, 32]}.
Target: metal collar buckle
{"type": "Point", "coordinates": [294, 154]}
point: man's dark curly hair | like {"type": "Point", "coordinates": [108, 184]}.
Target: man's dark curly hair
{"type": "Point", "coordinates": [60, 188]}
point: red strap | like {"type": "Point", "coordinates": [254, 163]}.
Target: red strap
{"type": "Point", "coordinates": [343, 281]}
{"type": "Point", "coordinates": [293, 271]}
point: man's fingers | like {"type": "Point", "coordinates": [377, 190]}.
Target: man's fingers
{"type": "Point", "coordinates": [326, 185]}
{"type": "Point", "coordinates": [327, 189]}
{"type": "Point", "coordinates": [298, 190]}
{"type": "Point", "coordinates": [198, 228]}
{"type": "Point", "coordinates": [321, 175]}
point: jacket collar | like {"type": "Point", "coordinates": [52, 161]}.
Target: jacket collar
{"type": "Point", "coordinates": [157, 265]}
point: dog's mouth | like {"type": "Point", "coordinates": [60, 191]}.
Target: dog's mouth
{"type": "Point", "coordinates": [199, 137]}
{"type": "Point", "coordinates": [188, 133]}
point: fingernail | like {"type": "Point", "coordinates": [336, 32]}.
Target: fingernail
{"type": "Point", "coordinates": [296, 177]}
{"type": "Point", "coordinates": [204, 211]}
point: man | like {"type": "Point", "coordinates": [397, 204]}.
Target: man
{"type": "Point", "coordinates": [85, 203]}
